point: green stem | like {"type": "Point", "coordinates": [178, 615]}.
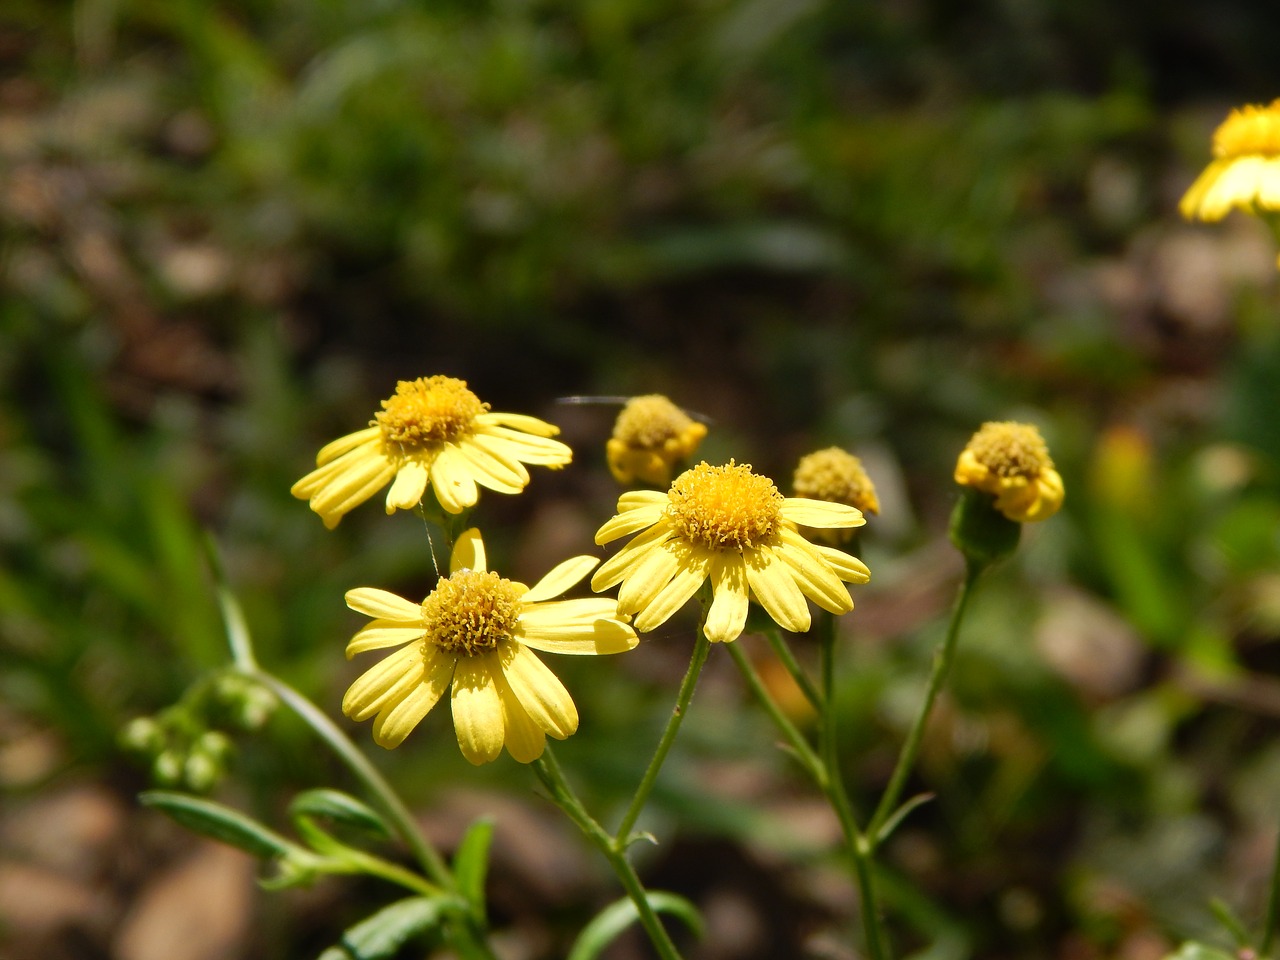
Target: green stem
{"type": "Point", "coordinates": [701, 649]}
{"type": "Point", "coordinates": [549, 772]}
{"type": "Point", "coordinates": [911, 747]}
{"type": "Point", "coordinates": [1272, 918]}
{"type": "Point", "coordinates": [826, 775]}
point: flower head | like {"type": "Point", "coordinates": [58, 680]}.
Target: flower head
{"type": "Point", "coordinates": [731, 526]}
{"type": "Point", "coordinates": [433, 431]}
{"type": "Point", "coordinates": [837, 476]}
{"type": "Point", "coordinates": [650, 436]}
{"type": "Point", "coordinates": [1245, 171]}
{"type": "Point", "coordinates": [1011, 462]}
{"type": "Point", "coordinates": [475, 635]}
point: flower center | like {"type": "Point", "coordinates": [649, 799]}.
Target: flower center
{"type": "Point", "coordinates": [471, 612]}
{"type": "Point", "coordinates": [837, 476]}
{"type": "Point", "coordinates": [650, 421]}
{"type": "Point", "coordinates": [428, 410]}
{"type": "Point", "coordinates": [1249, 131]}
{"type": "Point", "coordinates": [725, 507]}
{"type": "Point", "coordinates": [1011, 450]}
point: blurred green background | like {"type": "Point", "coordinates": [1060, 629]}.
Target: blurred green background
{"type": "Point", "coordinates": [227, 229]}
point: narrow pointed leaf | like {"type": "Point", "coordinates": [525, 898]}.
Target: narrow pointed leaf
{"type": "Point", "coordinates": [218, 822]}
{"type": "Point", "coordinates": [471, 864]}
{"type": "Point", "coordinates": [605, 927]}
{"type": "Point", "coordinates": [340, 808]}
{"type": "Point", "coordinates": [382, 934]}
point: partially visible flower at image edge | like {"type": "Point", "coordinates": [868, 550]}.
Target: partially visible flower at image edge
{"type": "Point", "coordinates": [433, 431]}
{"type": "Point", "coordinates": [474, 635]}
{"type": "Point", "coordinates": [1245, 171]}
{"type": "Point", "coordinates": [650, 437]}
{"type": "Point", "coordinates": [731, 526]}
{"type": "Point", "coordinates": [1011, 462]}
{"type": "Point", "coordinates": [838, 476]}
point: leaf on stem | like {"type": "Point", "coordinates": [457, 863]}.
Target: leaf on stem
{"type": "Point", "coordinates": [605, 927]}
{"type": "Point", "coordinates": [380, 935]}
{"type": "Point", "coordinates": [221, 823]}
{"type": "Point", "coordinates": [471, 863]}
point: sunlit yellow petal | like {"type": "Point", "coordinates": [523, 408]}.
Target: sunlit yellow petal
{"type": "Point", "coordinates": [383, 605]}
{"type": "Point", "coordinates": [629, 522]}
{"type": "Point", "coordinates": [394, 723]}
{"type": "Point", "coordinates": [539, 691]}
{"type": "Point", "coordinates": [575, 627]}
{"type": "Point", "coordinates": [381, 634]}
{"type": "Point", "coordinates": [384, 682]}
{"type": "Point", "coordinates": [648, 578]}
{"type": "Point", "coordinates": [468, 552]}
{"type": "Point", "coordinates": [477, 708]}
{"type": "Point", "coordinates": [812, 575]}
{"type": "Point", "coordinates": [521, 422]}
{"type": "Point", "coordinates": [452, 482]}
{"type": "Point", "coordinates": [524, 739]}
{"type": "Point", "coordinates": [692, 567]}
{"type": "Point", "coordinates": [336, 448]}
{"type": "Point", "coordinates": [353, 486]}
{"type": "Point", "coordinates": [492, 471]}
{"type": "Point", "coordinates": [407, 489]}
{"type": "Point", "coordinates": [561, 578]}
{"type": "Point", "coordinates": [727, 616]}
{"type": "Point", "coordinates": [772, 585]}
{"type": "Point", "coordinates": [821, 514]}
{"type": "Point", "coordinates": [623, 563]}
{"type": "Point", "coordinates": [847, 568]}
{"type": "Point", "coordinates": [522, 446]}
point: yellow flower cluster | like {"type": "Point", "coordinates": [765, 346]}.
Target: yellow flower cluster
{"type": "Point", "coordinates": [1245, 172]}
{"type": "Point", "coordinates": [651, 435]}
{"type": "Point", "coordinates": [1011, 462]}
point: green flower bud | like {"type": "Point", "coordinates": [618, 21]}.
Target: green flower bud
{"type": "Point", "coordinates": [142, 735]}
{"type": "Point", "coordinates": [980, 531]}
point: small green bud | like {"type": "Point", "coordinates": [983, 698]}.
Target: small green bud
{"type": "Point", "coordinates": [142, 735]}
{"type": "Point", "coordinates": [980, 531]}
{"type": "Point", "coordinates": [214, 745]}
{"type": "Point", "coordinates": [255, 708]}
{"type": "Point", "coordinates": [167, 768]}
{"type": "Point", "coordinates": [200, 772]}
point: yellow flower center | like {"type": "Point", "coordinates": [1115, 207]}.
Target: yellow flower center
{"type": "Point", "coordinates": [1010, 449]}
{"type": "Point", "coordinates": [650, 421]}
{"type": "Point", "coordinates": [471, 612]}
{"type": "Point", "coordinates": [725, 507]}
{"type": "Point", "coordinates": [1249, 131]}
{"type": "Point", "coordinates": [837, 476]}
{"type": "Point", "coordinates": [428, 410]}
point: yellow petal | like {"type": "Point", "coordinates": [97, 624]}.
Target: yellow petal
{"type": "Point", "coordinates": [394, 723]}
{"type": "Point", "coordinates": [520, 421]}
{"type": "Point", "coordinates": [821, 514]}
{"type": "Point", "coordinates": [727, 616]}
{"type": "Point", "coordinates": [848, 568]}
{"type": "Point", "coordinates": [356, 484]}
{"type": "Point", "coordinates": [383, 605]}
{"type": "Point", "coordinates": [588, 626]}
{"type": "Point", "coordinates": [524, 739]}
{"type": "Point", "coordinates": [477, 708]}
{"type": "Point", "coordinates": [494, 472]}
{"type": "Point", "coordinates": [693, 566]}
{"type": "Point", "coordinates": [560, 578]}
{"type": "Point", "coordinates": [383, 683]}
{"type": "Point", "coordinates": [772, 585]}
{"type": "Point", "coordinates": [648, 578]}
{"type": "Point", "coordinates": [635, 499]}
{"type": "Point", "coordinates": [630, 521]}
{"type": "Point", "coordinates": [336, 448]}
{"type": "Point", "coordinates": [407, 489]}
{"type": "Point", "coordinates": [381, 634]}
{"type": "Point", "coordinates": [452, 481]}
{"type": "Point", "coordinates": [625, 561]}
{"type": "Point", "coordinates": [523, 446]}
{"type": "Point", "coordinates": [468, 553]}
{"type": "Point", "coordinates": [812, 574]}
{"type": "Point", "coordinates": [539, 691]}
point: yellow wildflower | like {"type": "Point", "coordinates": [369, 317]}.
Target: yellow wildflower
{"type": "Point", "coordinates": [1011, 462]}
{"type": "Point", "coordinates": [475, 634]}
{"type": "Point", "coordinates": [1245, 171]}
{"type": "Point", "coordinates": [434, 430]}
{"type": "Point", "coordinates": [650, 436]}
{"type": "Point", "coordinates": [733, 526]}
{"type": "Point", "coordinates": [838, 476]}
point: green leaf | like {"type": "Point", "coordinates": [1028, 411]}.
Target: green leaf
{"type": "Point", "coordinates": [214, 820]}
{"type": "Point", "coordinates": [613, 919]}
{"type": "Point", "coordinates": [381, 934]}
{"type": "Point", "coordinates": [1191, 950]}
{"type": "Point", "coordinates": [471, 863]}
{"type": "Point", "coordinates": [340, 808]}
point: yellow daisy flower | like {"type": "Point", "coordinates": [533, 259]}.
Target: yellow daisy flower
{"type": "Point", "coordinates": [475, 634]}
{"type": "Point", "coordinates": [650, 436]}
{"type": "Point", "coordinates": [1245, 171]}
{"type": "Point", "coordinates": [1011, 462]}
{"type": "Point", "coordinates": [838, 476]}
{"type": "Point", "coordinates": [733, 526]}
{"type": "Point", "coordinates": [433, 431]}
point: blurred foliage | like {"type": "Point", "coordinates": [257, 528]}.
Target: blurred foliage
{"type": "Point", "coordinates": [227, 228]}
